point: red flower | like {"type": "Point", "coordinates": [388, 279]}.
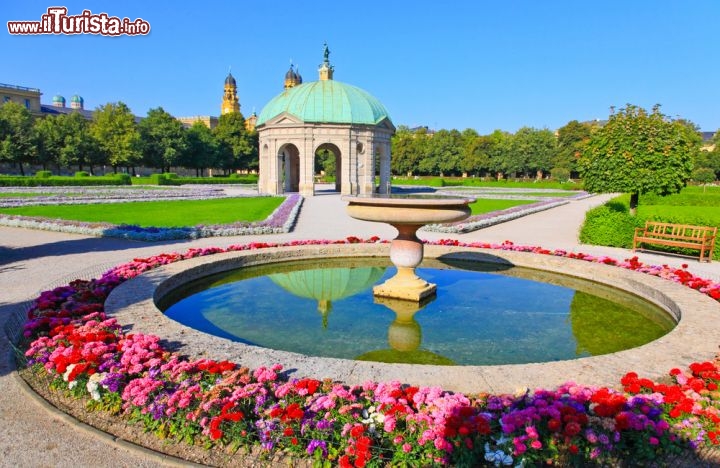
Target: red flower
{"type": "Point", "coordinates": [572, 429]}
{"type": "Point", "coordinates": [554, 425]}
{"type": "Point", "coordinates": [357, 431]}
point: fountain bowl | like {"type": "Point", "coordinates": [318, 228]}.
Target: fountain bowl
{"type": "Point", "coordinates": [407, 214]}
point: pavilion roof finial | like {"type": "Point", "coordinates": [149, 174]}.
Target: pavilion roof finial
{"type": "Point", "coordinates": [326, 70]}
{"type": "Point", "coordinates": [326, 54]}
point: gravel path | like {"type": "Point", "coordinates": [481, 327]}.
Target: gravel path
{"type": "Point", "coordinates": [31, 435]}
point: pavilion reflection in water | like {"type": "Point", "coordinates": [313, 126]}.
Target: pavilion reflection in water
{"type": "Point", "coordinates": [328, 284]}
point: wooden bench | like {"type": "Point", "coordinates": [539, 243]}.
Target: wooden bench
{"type": "Point", "coordinates": [700, 238]}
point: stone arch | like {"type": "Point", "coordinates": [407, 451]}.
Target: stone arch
{"type": "Point", "coordinates": [335, 151]}
{"type": "Point", "coordinates": [288, 163]}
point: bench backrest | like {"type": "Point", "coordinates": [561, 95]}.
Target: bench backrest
{"type": "Point", "coordinates": [686, 231]}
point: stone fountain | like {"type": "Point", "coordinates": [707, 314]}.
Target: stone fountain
{"type": "Point", "coordinates": [407, 214]}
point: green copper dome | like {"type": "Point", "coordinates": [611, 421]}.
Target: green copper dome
{"type": "Point", "coordinates": [326, 101]}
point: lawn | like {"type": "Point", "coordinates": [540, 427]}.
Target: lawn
{"type": "Point", "coordinates": [486, 205]}
{"type": "Point", "coordinates": [160, 213]}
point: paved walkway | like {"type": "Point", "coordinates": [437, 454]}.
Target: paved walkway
{"type": "Point", "coordinates": [31, 261]}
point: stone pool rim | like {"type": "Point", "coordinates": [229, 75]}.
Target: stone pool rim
{"type": "Point", "coordinates": [694, 338]}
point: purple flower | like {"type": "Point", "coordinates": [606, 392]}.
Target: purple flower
{"type": "Point", "coordinates": [317, 444]}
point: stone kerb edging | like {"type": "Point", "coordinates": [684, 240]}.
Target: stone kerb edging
{"type": "Point", "coordinates": [693, 339]}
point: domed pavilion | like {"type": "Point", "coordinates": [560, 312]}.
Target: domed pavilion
{"type": "Point", "coordinates": [308, 119]}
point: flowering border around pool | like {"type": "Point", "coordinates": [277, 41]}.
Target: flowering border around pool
{"type": "Point", "coordinates": [211, 403]}
{"type": "Point", "coordinates": [281, 220]}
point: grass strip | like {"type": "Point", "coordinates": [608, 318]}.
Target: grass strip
{"type": "Point", "coordinates": [486, 205]}
{"type": "Point", "coordinates": [179, 213]}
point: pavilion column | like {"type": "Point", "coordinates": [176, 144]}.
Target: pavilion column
{"type": "Point", "coordinates": [385, 175]}
{"type": "Point", "coordinates": [307, 167]}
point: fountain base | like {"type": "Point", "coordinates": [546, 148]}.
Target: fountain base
{"type": "Point", "coordinates": [405, 285]}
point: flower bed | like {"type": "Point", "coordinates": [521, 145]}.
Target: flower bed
{"type": "Point", "coordinates": [221, 404]}
{"type": "Point", "coordinates": [103, 194]}
{"type": "Point", "coordinates": [281, 220]}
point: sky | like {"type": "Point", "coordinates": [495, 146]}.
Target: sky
{"type": "Point", "coordinates": [484, 65]}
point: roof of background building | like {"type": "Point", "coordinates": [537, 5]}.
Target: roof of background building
{"type": "Point", "coordinates": [326, 101]}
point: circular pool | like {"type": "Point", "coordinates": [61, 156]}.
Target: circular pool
{"type": "Point", "coordinates": [483, 313]}
{"type": "Point", "coordinates": [693, 338]}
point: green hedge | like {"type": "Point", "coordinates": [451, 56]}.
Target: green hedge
{"type": "Point", "coordinates": [59, 181]}
{"type": "Point", "coordinates": [480, 182]}
{"type": "Point", "coordinates": [611, 224]}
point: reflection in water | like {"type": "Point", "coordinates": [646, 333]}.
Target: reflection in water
{"type": "Point", "coordinates": [484, 314]}
{"type": "Point", "coordinates": [327, 284]}
{"type": "Point", "coordinates": [595, 325]}
{"type": "Point", "coordinates": [405, 336]}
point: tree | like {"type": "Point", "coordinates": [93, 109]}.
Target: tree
{"type": "Point", "coordinates": [499, 148]}
{"type": "Point", "coordinates": [475, 158]}
{"type": "Point", "coordinates": [703, 176]}
{"type": "Point", "coordinates": [532, 151]}
{"type": "Point", "coordinates": [238, 146]}
{"type": "Point", "coordinates": [639, 152]}
{"type": "Point", "coordinates": [163, 139]}
{"type": "Point", "coordinates": [445, 148]}
{"type": "Point", "coordinates": [66, 140]}
{"type": "Point", "coordinates": [17, 138]}
{"type": "Point", "coordinates": [571, 141]}
{"type": "Point", "coordinates": [202, 149]}
{"type": "Point", "coordinates": [49, 139]}
{"type": "Point", "coordinates": [710, 159]}
{"type": "Point", "coordinates": [401, 148]}
{"type": "Point", "coordinates": [117, 135]}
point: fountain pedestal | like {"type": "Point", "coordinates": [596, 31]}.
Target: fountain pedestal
{"type": "Point", "coordinates": [406, 253]}
{"type": "Point", "coordinates": [407, 215]}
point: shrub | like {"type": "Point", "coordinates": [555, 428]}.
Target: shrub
{"type": "Point", "coordinates": [59, 181]}
{"type": "Point", "coordinates": [171, 175]}
{"type": "Point", "coordinates": [82, 174]}
{"type": "Point", "coordinates": [160, 179]}
{"type": "Point", "coordinates": [560, 174]}
{"type": "Point", "coordinates": [610, 225]}
{"type": "Point", "coordinates": [703, 176]}
{"type": "Point", "coordinates": [125, 178]}
{"type": "Point", "coordinates": [43, 174]}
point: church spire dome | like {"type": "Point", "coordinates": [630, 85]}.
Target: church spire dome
{"type": "Point", "coordinates": [230, 102]}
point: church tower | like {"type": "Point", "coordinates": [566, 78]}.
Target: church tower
{"type": "Point", "coordinates": [292, 77]}
{"type": "Point", "coordinates": [230, 102]}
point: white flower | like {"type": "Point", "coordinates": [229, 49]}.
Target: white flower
{"type": "Point", "coordinates": [93, 385]}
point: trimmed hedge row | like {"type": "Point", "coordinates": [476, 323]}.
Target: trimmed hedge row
{"type": "Point", "coordinates": [59, 181]}
{"type": "Point", "coordinates": [170, 178]}
{"type": "Point", "coordinates": [82, 178]}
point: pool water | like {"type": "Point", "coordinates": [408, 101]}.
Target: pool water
{"type": "Point", "coordinates": [483, 313]}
